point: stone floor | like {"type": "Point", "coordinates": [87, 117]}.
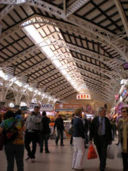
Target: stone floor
{"type": "Point", "coordinates": [60, 158]}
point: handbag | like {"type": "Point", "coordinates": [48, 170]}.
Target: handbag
{"type": "Point", "coordinates": [91, 152]}
{"type": "Point", "coordinates": [110, 152]}
{"type": "Point", "coordinates": [2, 141]}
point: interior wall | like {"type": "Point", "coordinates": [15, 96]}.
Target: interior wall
{"type": "Point", "coordinates": [94, 103]}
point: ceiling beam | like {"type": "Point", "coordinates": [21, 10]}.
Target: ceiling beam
{"type": "Point", "coordinates": [94, 75]}
{"type": "Point", "coordinates": [98, 82]}
{"type": "Point", "coordinates": [63, 43]}
{"type": "Point", "coordinates": [67, 90]}
{"type": "Point", "coordinates": [54, 81]}
{"type": "Point", "coordinates": [75, 6]}
{"type": "Point", "coordinates": [34, 67]}
{"type": "Point", "coordinates": [67, 95]}
{"type": "Point", "coordinates": [62, 96]}
{"type": "Point", "coordinates": [5, 11]}
{"type": "Point", "coordinates": [122, 15]}
{"type": "Point", "coordinates": [13, 29]}
{"type": "Point", "coordinates": [103, 34]}
{"type": "Point", "coordinates": [12, 1]}
{"type": "Point", "coordinates": [20, 55]}
{"type": "Point", "coordinates": [74, 29]}
{"type": "Point", "coordinates": [45, 76]}
{"type": "Point", "coordinates": [101, 92]}
{"type": "Point", "coordinates": [58, 88]}
{"type": "Point", "coordinates": [92, 66]}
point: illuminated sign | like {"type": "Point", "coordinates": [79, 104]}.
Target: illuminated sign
{"type": "Point", "coordinates": [83, 96]}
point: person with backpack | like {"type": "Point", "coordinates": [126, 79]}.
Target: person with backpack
{"type": "Point", "coordinates": [12, 128]}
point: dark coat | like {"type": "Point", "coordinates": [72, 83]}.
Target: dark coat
{"type": "Point", "coordinates": [78, 128]}
{"type": "Point", "coordinates": [94, 130]}
{"type": "Point", "coordinates": [45, 125]}
{"type": "Point", "coordinates": [59, 124]}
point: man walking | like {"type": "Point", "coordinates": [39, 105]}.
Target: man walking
{"type": "Point", "coordinates": [101, 133]}
{"type": "Point", "coordinates": [32, 134]}
{"type": "Point", "coordinates": [60, 128]}
{"type": "Point", "coordinates": [45, 132]}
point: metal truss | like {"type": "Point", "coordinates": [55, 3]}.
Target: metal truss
{"type": "Point", "coordinates": [54, 90]}
{"type": "Point", "coordinates": [45, 76]}
{"type": "Point", "coordinates": [81, 50]}
{"type": "Point", "coordinates": [96, 68]}
{"type": "Point", "coordinates": [44, 5]}
{"type": "Point", "coordinates": [75, 6]}
{"type": "Point", "coordinates": [12, 1]}
{"type": "Point", "coordinates": [92, 77]}
{"type": "Point", "coordinates": [65, 26]}
{"type": "Point", "coordinates": [32, 68]}
{"type": "Point", "coordinates": [100, 91]}
{"type": "Point", "coordinates": [62, 96]}
{"type": "Point", "coordinates": [95, 76]}
{"type": "Point", "coordinates": [98, 96]}
{"type": "Point", "coordinates": [105, 36]}
{"type": "Point", "coordinates": [67, 90]}
{"type": "Point", "coordinates": [54, 81]}
{"type": "Point", "coordinates": [13, 59]}
{"type": "Point", "coordinates": [5, 11]}
{"type": "Point", "coordinates": [111, 74]}
{"type": "Point", "coordinates": [98, 82]}
{"type": "Point", "coordinates": [4, 89]}
{"type": "Point", "coordinates": [98, 86]}
{"type": "Point", "coordinates": [18, 93]}
{"type": "Point", "coordinates": [35, 19]}
{"type": "Point", "coordinates": [104, 59]}
{"type": "Point", "coordinates": [11, 31]}
{"type": "Point", "coordinates": [122, 15]}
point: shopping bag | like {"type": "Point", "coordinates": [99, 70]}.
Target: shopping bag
{"type": "Point", "coordinates": [119, 151]}
{"type": "Point", "coordinates": [110, 152]}
{"type": "Point", "coordinates": [1, 141]}
{"type": "Point", "coordinates": [91, 152]}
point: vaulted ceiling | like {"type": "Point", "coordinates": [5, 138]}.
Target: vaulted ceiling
{"type": "Point", "coordinates": [94, 32]}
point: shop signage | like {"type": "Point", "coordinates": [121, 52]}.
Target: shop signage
{"type": "Point", "coordinates": [69, 107]}
{"type": "Point", "coordinates": [47, 107]}
{"type": "Point", "coordinates": [83, 96]}
{"type": "Point", "coordinates": [43, 107]}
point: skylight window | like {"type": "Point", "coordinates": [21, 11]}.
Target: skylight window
{"type": "Point", "coordinates": [64, 62]}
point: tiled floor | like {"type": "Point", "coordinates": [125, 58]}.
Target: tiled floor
{"type": "Point", "coordinates": [60, 158]}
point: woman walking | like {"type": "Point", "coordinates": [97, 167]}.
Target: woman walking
{"type": "Point", "coordinates": [123, 136]}
{"type": "Point", "coordinates": [12, 127]}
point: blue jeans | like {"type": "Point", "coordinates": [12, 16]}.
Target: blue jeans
{"type": "Point", "coordinates": [14, 152]}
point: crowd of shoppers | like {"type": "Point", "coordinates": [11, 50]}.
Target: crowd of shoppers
{"type": "Point", "coordinates": [37, 130]}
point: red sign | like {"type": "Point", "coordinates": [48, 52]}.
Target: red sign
{"type": "Point", "coordinates": [83, 96]}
